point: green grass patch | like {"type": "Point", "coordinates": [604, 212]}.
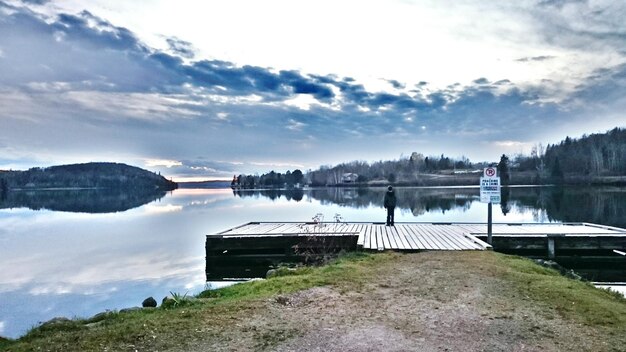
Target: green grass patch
{"type": "Point", "coordinates": [347, 270]}
{"type": "Point", "coordinates": [572, 299]}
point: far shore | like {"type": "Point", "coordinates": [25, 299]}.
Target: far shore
{"type": "Point", "coordinates": [439, 180]}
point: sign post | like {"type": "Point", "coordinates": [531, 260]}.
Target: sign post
{"type": "Point", "coordinates": [489, 193]}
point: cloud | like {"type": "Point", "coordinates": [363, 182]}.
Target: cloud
{"type": "Point", "coordinates": [181, 47]}
{"type": "Point", "coordinates": [560, 3]}
{"type": "Point", "coordinates": [396, 84]}
{"type": "Point", "coordinates": [121, 98]}
{"type": "Point", "coordinates": [166, 163]}
{"type": "Point", "coordinates": [536, 58]}
{"type": "Point", "coordinates": [295, 125]}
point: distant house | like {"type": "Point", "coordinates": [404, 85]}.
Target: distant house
{"type": "Point", "coordinates": [349, 178]}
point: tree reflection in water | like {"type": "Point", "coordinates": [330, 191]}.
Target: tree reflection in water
{"type": "Point", "coordinates": [600, 205]}
{"type": "Point", "coordinates": [80, 201]}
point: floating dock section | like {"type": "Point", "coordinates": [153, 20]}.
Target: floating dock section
{"type": "Point", "coordinates": [274, 242]}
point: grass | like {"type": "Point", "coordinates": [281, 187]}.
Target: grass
{"type": "Point", "coordinates": [213, 313]}
{"type": "Point", "coordinates": [572, 299]}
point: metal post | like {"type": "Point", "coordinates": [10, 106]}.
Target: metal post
{"type": "Point", "coordinates": [551, 252]}
{"type": "Point", "coordinates": [489, 220]}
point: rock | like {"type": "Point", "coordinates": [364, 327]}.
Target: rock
{"type": "Point", "coordinates": [93, 325]}
{"type": "Point", "coordinates": [129, 310]}
{"type": "Point", "coordinates": [270, 273]}
{"type": "Point", "coordinates": [573, 275]}
{"type": "Point", "coordinates": [167, 302]}
{"type": "Point", "coordinates": [56, 321]}
{"type": "Point", "coordinates": [149, 302]}
{"type": "Point", "coordinates": [100, 316]}
{"type": "Point", "coordinates": [282, 300]}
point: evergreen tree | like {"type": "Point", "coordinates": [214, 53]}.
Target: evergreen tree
{"type": "Point", "coordinates": [556, 171]}
{"type": "Point", "coordinates": [297, 176]}
{"type": "Point", "coordinates": [503, 169]}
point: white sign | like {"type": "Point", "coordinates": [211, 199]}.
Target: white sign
{"type": "Point", "coordinates": [490, 189]}
{"type": "Point", "coordinates": [489, 172]}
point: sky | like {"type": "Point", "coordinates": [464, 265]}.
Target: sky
{"type": "Point", "coordinates": [208, 89]}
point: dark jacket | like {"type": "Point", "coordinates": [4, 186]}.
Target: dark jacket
{"type": "Point", "coordinates": [390, 199]}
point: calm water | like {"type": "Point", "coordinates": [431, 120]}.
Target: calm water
{"type": "Point", "coordinates": [94, 252]}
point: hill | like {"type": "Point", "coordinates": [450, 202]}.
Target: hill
{"type": "Point", "coordinates": [97, 175]}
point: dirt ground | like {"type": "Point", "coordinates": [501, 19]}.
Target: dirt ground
{"type": "Point", "coordinates": [430, 301]}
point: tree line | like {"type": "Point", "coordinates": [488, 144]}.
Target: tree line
{"type": "Point", "coordinates": [271, 179]}
{"type": "Point", "coordinates": [88, 175]}
{"type": "Point", "coordinates": [602, 154]}
{"type": "Point", "coordinates": [403, 170]}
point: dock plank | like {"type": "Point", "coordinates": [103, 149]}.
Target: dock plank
{"type": "Point", "coordinates": [383, 236]}
{"type": "Point", "coordinates": [456, 238]}
{"type": "Point", "coordinates": [434, 242]}
{"type": "Point", "coordinates": [405, 242]}
{"type": "Point", "coordinates": [362, 235]}
{"type": "Point", "coordinates": [413, 236]}
{"type": "Point", "coordinates": [392, 236]}
{"type": "Point", "coordinates": [408, 243]}
{"type": "Point", "coordinates": [420, 243]}
{"type": "Point", "coordinates": [423, 238]}
{"type": "Point", "coordinates": [451, 244]}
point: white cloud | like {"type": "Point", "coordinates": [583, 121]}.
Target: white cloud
{"type": "Point", "coordinates": [2, 324]}
{"type": "Point", "coordinates": [277, 164]}
{"type": "Point", "coordinates": [138, 105]}
{"type": "Point", "coordinates": [162, 162]}
{"type": "Point", "coordinates": [511, 146]}
{"type": "Point", "coordinates": [147, 106]}
{"type": "Point", "coordinates": [160, 209]}
{"type": "Point", "coordinates": [294, 125]}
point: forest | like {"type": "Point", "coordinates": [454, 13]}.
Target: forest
{"type": "Point", "coordinates": [86, 176]}
{"type": "Point", "coordinates": [591, 159]}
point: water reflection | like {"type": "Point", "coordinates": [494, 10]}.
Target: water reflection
{"type": "Point", "coordinates": [601, 205]}
{"type": "Point", "coordinates": [81, 201]}
{"type": "Point", "coordinates": [108, 251]}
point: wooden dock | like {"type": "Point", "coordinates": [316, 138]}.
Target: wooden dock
{"type": "Point", "coordinates": [420, 236]}
{"type": "Point", "coordinates": [248, 250]}
{"type": "Point", "coordinates": [368, 236]}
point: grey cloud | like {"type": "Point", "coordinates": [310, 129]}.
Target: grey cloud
{"type": "Point", "coordinates": [126, 64]}
{"type": "Point", "coordinates": [605, 87]}
{"type": "Point", "coordinates": [536, 58]}
{"type": "Point", "coordinates": [153, 84]}
{"type": "Point", "coordinates": [560, 3]}
{"type": "Point", "coordinates": [583, 25]}
{"type": "Point", "coordinates": [181, 47]}
{"type": "Point", "coordinates": [396, 84]}
{"type": "Point", "coordinates": [36, 2]}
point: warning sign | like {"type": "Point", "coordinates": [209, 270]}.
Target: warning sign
{"type": "Point", "coordinates": [490, 189]}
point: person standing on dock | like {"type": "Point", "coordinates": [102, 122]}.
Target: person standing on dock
{"type": "Point", "coordinates": [390, 205]}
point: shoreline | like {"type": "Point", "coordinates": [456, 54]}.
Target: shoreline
{"type": "Point", "coordinates": [480, 279]}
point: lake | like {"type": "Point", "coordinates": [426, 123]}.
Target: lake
{"type": "Point", "coordinates": [76, 253]}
